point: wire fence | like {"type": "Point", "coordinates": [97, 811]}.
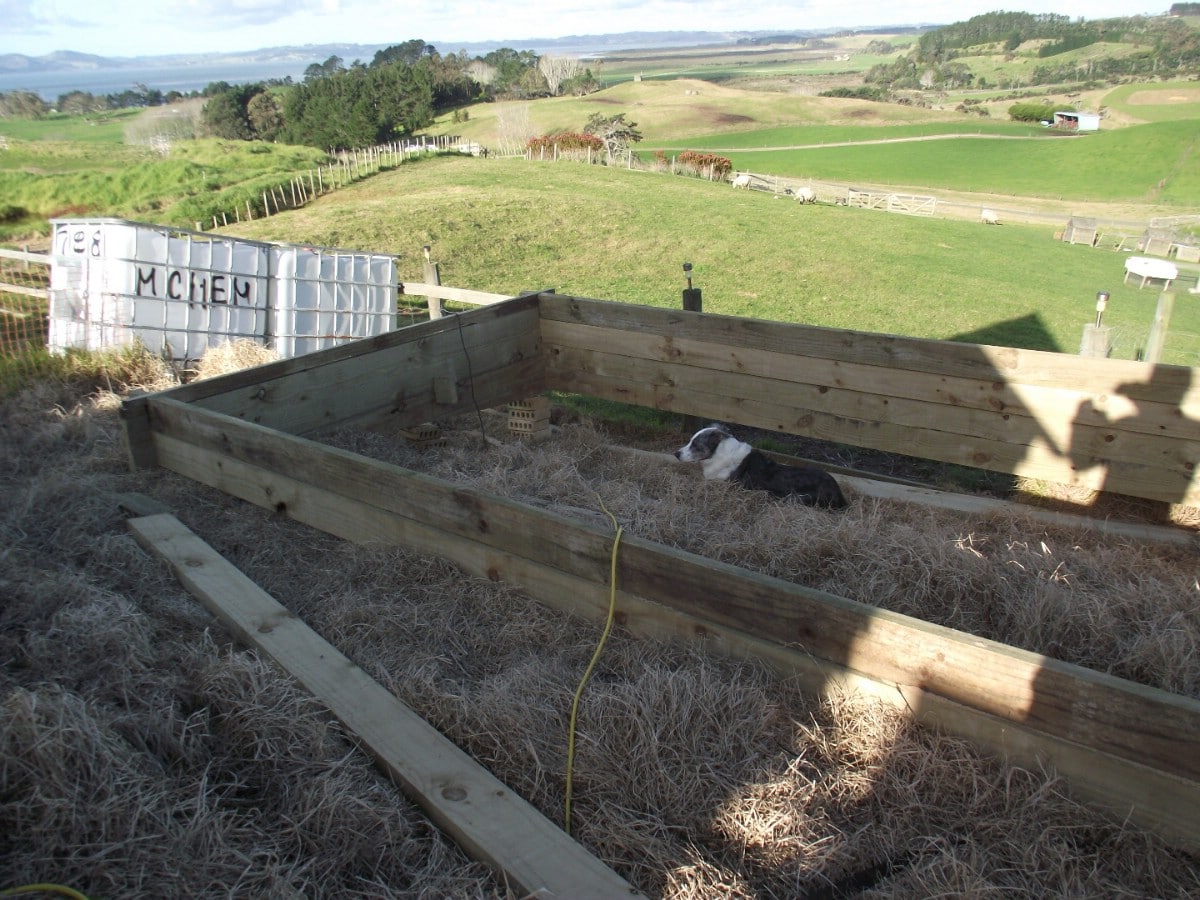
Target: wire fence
{"type": "Point", "coordinates": [24, 306]}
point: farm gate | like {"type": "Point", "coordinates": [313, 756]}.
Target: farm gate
{"type": "Point", "coordinates": [912, 204]}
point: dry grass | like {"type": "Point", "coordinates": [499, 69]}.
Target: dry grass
{"type": "Point", "coordinates": [143, 755]}
{"type": "Point", "coordinates": [233, 356]}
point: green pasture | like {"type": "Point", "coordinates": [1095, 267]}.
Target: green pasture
{"type": "Point", "coordinates": [1167, 101]}
{"type": "Point", "coordinates": [94, 128]}
{"type": "Point", "coordinates": [721, 70]}
{"type": "Point", "coordinates": [511, 225]}
{"type": "Point", "coordinates": [733, 63]}
{"type": "Point", "coordinates": [804, 136]}
{"type": "Point", "coordinates": [1153, 163]}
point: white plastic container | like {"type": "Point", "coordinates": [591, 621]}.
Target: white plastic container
{"type": "Point", "coordinates": [114, 282]}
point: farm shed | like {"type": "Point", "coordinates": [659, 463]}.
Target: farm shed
{"type": "Point", "coordinates": [1117, 425]}
{"type": "Point", "coordinates": [1077, 121]}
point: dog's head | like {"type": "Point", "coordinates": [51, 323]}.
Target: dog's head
{"type": "Point", "coordinates": [703, 445]}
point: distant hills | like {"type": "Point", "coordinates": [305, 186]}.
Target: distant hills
{"type": "Point", "coordinates": [579, 44]}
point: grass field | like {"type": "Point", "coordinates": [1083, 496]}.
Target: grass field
{"type": "Point", "coordinates": [511, 225]}
{"type": "Point", "coordinates": [1153, 164]}
{"type": "Point", "coordinates": [95, 128]}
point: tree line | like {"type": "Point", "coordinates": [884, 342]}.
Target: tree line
{"type": "Point", "coordinates": [339, 106]}
{"type": "Point", "coordinates": [30, 105]}
{"type": "Point", "coordinates": [1164, 46]}
{"type": "Point", "coordinates": [395, 95]}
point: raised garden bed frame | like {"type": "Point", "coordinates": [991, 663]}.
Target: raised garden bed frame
{"type": "Point", "coordinates": [1130, 748]}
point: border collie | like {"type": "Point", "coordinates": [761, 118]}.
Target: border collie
{"type": "Point", "coordinates": [724, 457]}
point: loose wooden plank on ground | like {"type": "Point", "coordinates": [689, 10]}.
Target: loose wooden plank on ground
{"type": "Point", "coordinates": [487, 819]}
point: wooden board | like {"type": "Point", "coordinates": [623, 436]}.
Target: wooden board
{"type": "Point", "coordinates": [1031, 706]}
{"type": "Point", "coordinates": [1106, 425]}
{"type": "Point", "coordinates": [951, 358]}
{"type": "Point", "coordinates": [489, 821]}
{"type": "Point", "coordinates": [1164, 469]}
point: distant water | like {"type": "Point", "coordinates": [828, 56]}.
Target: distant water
{"type": "Point", "coordinates": [185, 79]}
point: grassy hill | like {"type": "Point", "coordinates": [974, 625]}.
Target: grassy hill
{"type": "Point", "coordinates": [508, 225]}
{"type": "Point", "coordinates": [674, 109]}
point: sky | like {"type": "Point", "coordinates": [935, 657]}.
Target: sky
{"type": "Point", "coordinates": [118, 28]}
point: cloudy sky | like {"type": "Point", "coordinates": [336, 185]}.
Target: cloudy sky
{"type": "Point", "coordinates": [153, 27]}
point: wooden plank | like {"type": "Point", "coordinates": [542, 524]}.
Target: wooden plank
{"type": "Point", "coordinates": [1130, 747]}
{"type": "Point", "coordinates": [136, 438]}
{"type": "Point", "coordinates": [488, 820]}
{"type": "Point", "coordinates": [1055, 430]}
{"type": "Point", "coordinates": [489, 361]}
{"type": "Point", "coordinates": [984, 506]}
{"type": "Point", "coordinates": [1123, 718]}
{"type": "Point", "coordinates": [1096, 402]}
{"type": "Point", "coordinates": [490, 355]}
{"type": "Point", "coordinates": [1153, 475]}
{"type": "Point", "coordinates": [1137, 380]}
{"type": "Point", "coordinates": [458, 295]}
{"type": "Point", "coordinates": [485, 318]}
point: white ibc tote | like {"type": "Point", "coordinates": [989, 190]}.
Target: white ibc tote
{"type": "Point", "coordinates": [114, 283]}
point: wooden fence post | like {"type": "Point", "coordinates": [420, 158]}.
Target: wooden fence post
{"type": "Point", "coordinates": [693, 302]}
{"type": "Point", "coordinates": [1158, 328]}
{"type": "Point", "coordinates": [432, 276]}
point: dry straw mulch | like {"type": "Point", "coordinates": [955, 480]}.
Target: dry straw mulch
{"type": "Point", "coordinates": [145, 755]}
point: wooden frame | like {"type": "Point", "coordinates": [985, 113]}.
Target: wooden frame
{"type": "Point", "coordinates": [1132, 749]}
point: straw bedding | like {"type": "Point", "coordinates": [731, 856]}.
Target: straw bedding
{"type": "Point", "coordinates": [143, 754]}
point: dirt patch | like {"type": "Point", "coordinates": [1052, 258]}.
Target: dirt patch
{"type": "Point", "coordinates": [1173, 97]}
{"type": "Point", "coordinates": [731, 119]}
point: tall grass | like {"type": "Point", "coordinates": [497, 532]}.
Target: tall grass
{"type": "Point", "coordinates": [194, 180]}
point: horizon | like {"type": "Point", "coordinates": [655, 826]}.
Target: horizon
{"type": "Point", "coordinates": [133, 29]}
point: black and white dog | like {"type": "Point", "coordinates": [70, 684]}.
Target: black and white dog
{"type": "Point", "coordinates": [724, 457]}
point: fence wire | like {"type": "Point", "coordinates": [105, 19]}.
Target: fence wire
{"type": "Point", "coordinates": [24, 307]}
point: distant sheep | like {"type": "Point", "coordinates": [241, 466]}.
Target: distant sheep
{"type": "Point", "coordinates": [989, 217]}
{"type": "Point", "coordinates": [806, 195]}
{"type": "Point", "coordinates": [741, 181]}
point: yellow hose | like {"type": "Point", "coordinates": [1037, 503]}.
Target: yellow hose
{"type": "Point", "coordinates": [612, 609]}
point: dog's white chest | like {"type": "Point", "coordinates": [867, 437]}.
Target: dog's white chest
{"type": "Point", "coordinates": [723, 463]}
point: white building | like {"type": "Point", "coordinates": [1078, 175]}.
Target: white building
{"type": "Point", "coordinates": [1077, 121]}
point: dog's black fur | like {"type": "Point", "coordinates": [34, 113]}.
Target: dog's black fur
{"type": "Point", "coordinates": [722, 456]}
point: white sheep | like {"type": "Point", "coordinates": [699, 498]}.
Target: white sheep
{"type": "Point", "coordinates": [741, 181]}
{"type": "Point", "coordinates": [806, 195]}
{"type": "Point", "coordinates": [989, 217]}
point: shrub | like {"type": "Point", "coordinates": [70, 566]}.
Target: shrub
{"type": "Point", "coordinates": [566, 143]}
{"type": "Point", "coordinates": [1032, 112]}
{"type": "Point", "coordinates": [862, 92]}
{"type": "Point", "coordinates": [707, 164]}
